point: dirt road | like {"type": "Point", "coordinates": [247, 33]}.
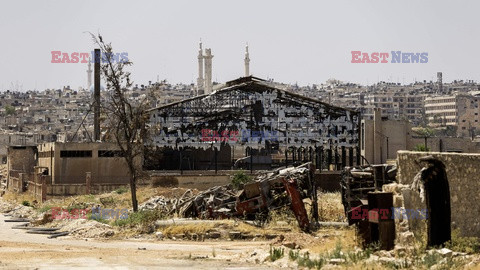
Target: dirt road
{"type": "Point", "coordinates": [19, 250]}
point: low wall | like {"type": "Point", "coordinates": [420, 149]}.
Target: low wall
{"type": "Point", "coordinates": [80, 189]}
{"type": "Point", "coordinates": [200, 182]}
{"type": "Point", "coordinates": [463, 177]}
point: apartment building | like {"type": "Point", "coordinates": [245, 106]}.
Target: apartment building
{"type": "Point", "coordinates": [458, 110]}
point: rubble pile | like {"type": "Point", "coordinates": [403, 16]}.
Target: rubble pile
{"type": "Point", "coordinates": [157, 202]}
{"type": "Point", "coordinates": [84, 228]}
{"type": "Point", "coordinates": [215, 202]}
{"type": "Point", "coordinates": [269, 191]}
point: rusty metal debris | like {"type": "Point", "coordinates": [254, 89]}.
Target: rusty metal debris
{"type": "Point", "coordinates": [361, 188]}
{"type": "Point", "coordinates": [358, 181]}
{"type": "Point", "coordinates": [269, 191]}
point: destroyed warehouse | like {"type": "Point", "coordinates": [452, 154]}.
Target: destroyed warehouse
{"type": "Point", "coordinates": [249, 123]}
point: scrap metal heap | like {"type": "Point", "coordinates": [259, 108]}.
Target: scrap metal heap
{"type": "Point", "coordinates": [361, 193]}
{"type": "Point", "coordinates": [358, 181]}
{"type": "Point", "coordinates": [269, 191]}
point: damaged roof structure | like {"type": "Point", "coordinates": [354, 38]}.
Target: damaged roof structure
{"type": "Point", "coordinates": [253, 113]}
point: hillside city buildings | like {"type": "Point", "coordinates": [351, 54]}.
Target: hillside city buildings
{"type": "Point", "coordinates": [65, 115]}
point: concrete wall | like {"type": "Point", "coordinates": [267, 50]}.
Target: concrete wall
{"type": "Point", "coordinates": [375, 146]}
{"type": "Point", "coordinates": [449, 144]}
{"type": "Point", "coordinates": [201, 181]}
{"type": "Point", "coordinates": [79, 189]}
{"type": "Point", "coordinates": [463, 177]}
{"type": "Point", "coordinates": [72, 170]}
{"type": "Point", "coordinates": [20, 159]}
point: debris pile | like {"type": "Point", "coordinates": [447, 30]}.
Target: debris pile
{"type": "Point", "coordinates": [269, 191]}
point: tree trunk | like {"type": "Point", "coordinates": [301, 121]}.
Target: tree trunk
{"type": "Point", "coordinates": [133, 191]}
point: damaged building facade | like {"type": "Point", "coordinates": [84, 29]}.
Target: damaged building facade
{"type": "Point", "coordinates": [424, 196]}
{"type": "Point", "coordinates": [250, 123]}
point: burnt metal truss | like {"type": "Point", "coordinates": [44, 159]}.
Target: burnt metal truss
{"type": "Point", "coordinates": [247, 109]}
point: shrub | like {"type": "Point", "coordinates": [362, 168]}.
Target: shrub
{"type": "Point", "coordinates": [121, 190]}
{"type": "Point", "coordinates": [463, 244]}
{"type": "Point", "coordinates": [275, 253]}
{"type": "Point", "coordinates": [239, 179]}
{"type": "Point", "coordinates": [421, 148]}
{"type": "Point", "coordinates": [144, 219]}
{"type": "Point", "coordinates": [26, 203]}
{"type": "Point", "coordinates": [45, 208]}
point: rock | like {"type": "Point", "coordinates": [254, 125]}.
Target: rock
{"type": "Point", "coordinates": [290, 245]}
{"type": "Point", "coordinates": [213, 235]}
{"type": "Point", "coordinates": [271, 236]}
{"type": "Point", "coordinates": [455, 254]}
{"type": "Point", "coordinates": [246, 236]}
{"type": "Point", "coordinates": [384, 253]}
{"type": "Point", "coordinates": [406, 238]}
{"type": "Point", "coordinates": [235, 235]}
{"type": "Point", "coordinates": [373, 258]}
{"type": "Point", "coordinates": [336, 261]}
{"type": "Point", "coordinates": [445, 252]}
{"type": "Point", "coordinates": [179, 235]}
{"type": "Point", "coordinates": [400, 251]}
{"type": "Point", "coordinates": [159, 235]}
{"type": "Point", "coordinates": [386, 260]}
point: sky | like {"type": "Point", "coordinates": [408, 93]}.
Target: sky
{"type": "Point", "coordinates": [304, 42]}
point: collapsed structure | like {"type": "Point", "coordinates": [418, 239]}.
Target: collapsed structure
{"type": "Point", "coordinates": [252, 119]}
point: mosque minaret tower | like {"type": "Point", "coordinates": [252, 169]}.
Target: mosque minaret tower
{"type": "Point", "coordinates": [247, 62]}
{"type": "Point", "coordinates": [89, 74]}
{"type": "Point", "coordinates": [200, 80]}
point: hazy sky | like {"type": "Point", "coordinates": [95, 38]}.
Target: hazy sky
{"type": "Point", "coordinates": [290, 41]}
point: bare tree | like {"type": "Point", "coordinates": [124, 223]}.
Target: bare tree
{"type": "Point", "coordinates": [125, 118]}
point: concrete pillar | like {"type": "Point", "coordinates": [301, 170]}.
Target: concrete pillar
{"type": "Point", "coordinates": [377, 136]}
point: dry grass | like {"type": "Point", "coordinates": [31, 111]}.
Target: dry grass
{"type": "Point", "coordinates": [330, 207]}
{"type": "Point", "coordinates": [330, 237]}
{"type": "Point", "coordinates": [110, 199]}
{"type": "Point", "coordinates": [187, 229]}
{"type": "Point", "coordinates": [18, 197]}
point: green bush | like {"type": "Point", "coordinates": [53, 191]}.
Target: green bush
{"type": "Point", "coordinates": [141, 218]}
{"type": "Point", "coordinates": [275, 253]}
{"type": "Point", "coordinates": [463, 244]}
{"type": "Point", "coordinates": [45, 208]}
{"type": "Point", "coordinates": [26, 203]}
{"type": "Point", "coordinates": [239, 179]}
{"type": "Point", "coordinates": [121, 190]}
{"type": "Point", "coordinates": [421, 148]}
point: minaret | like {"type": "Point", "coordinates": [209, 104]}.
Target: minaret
{"type": "Point", "coordinates": [200, 80]}
{"type": "Point", "coordinates": [247, 62]}
{"type": "Point", "coordinates": [89, 73]}
{"type": "Point", "coordinates": [208, 70]}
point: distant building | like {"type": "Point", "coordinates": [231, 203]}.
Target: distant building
{"type": "Point", "coordinates": [68, 163]}
{"type": "Point", "coordinates": [459, 111]}
{"type": "Point", "coordinates": [381, 138]}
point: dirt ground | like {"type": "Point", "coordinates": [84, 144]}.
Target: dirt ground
{"type": "Point", "coordinates": [19, 250]}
